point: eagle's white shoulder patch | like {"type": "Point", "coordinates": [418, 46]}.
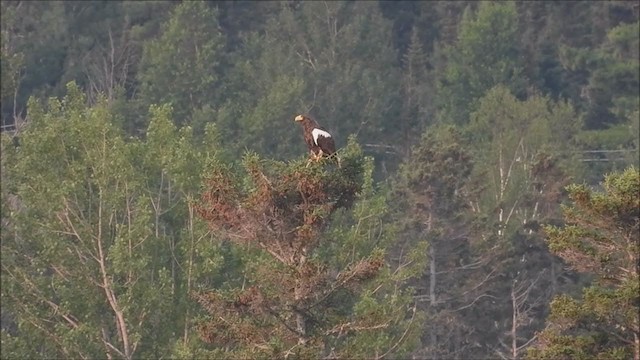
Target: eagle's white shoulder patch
{"type": "Point", "coordinates": [317, 132]}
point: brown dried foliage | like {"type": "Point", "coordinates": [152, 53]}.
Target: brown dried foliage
{"type": "Point", "coordinates": [360, 271]}
{"type": "Point", "coordinates": [311, 277]}
{"type": "Point", "coordinates": [235, 319]}
{"type": "Point", "coordinates": [282, 214]}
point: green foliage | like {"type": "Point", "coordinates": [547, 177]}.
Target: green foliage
{"type": "Point", "coordinates": [386, 300]}
{"type": "Point", "coordinates": [37, 33]}
{"type": "Point", "coordinates": [12, 68]}
{"type": "Point", "coordinates": [537, 86]}
{"type": "Point", "coordinates": [416, 86]}
{"type": "Point", "coordinates": [524, 150]}
{"type": "Point", "coordinates": [431, 194]}
{"type": "Point", "coordinates": [340, 66]}
{"type": "Point", "coordinates": [600, 238]}
{"type": "Point", "coordinates": [351, 66]}
{"type": "Point", "coordinates": [182, 66]}
{"type": "Point", "coordinates": [440, 163]}
{"type": "Point", "coordinates": [486, 54]}
{"type": "Point", "coordinates": [258, 110]}
{"type": "Point", "coordinates": [610, 93]}
{"type": "Point", "coordinates": [95, 44]}
{"type": "Point", "coordinates": [522, 158]}
{"type": "Point", "coordinates": [89, 246]}
{"type": "Point", "coordinates": [315, 282]}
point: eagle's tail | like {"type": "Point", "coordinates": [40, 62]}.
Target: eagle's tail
{"type": "Point", "coordinates": [335, 157]}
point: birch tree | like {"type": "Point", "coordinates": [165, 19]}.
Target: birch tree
{"type": "Point", "coordinates": [524, 139]}
{"type": "Point", "coordinates": [523, 159]}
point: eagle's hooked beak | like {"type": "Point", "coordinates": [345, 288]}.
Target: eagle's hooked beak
{"type": "Point", "coordinates": [299, 118]}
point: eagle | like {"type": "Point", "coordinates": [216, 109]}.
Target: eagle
{"type": "Point", "coordinates": [318, 139]}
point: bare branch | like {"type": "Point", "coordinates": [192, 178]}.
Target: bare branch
{"type": "Point", "coordinates": [474, 301]}
{"type": "Point", "coordinates": [404, 334]}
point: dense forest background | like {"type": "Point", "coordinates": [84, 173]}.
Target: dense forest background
{"type": "Point", "coordinates": [157, 200]}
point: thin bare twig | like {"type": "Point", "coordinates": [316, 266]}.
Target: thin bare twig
{"type": "Point", "coordinates": [406, 331]}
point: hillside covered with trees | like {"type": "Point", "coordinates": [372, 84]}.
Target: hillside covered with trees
{"type": "Point", "coordinates": [157, 200]}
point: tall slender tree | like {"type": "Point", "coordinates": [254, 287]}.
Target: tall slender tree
{"type": "Point", "coordinates": [432, 188]}
{"type": "Point", "coordinates": [522, 161]}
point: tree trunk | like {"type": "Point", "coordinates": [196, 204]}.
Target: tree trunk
{"type": "Point", "coordinates": [636, 347]}
{"type": "Point", "coordinates": [108, 290]}
{"type": "Point", "coordinates": [301, 326]}
{"type": "Point", "coordinates": [432, 288]}
{"type": "Point", "coordinates": [514, 324]}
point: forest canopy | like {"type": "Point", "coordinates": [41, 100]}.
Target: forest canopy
{"type": "Point", "coordinates": [158, 200]}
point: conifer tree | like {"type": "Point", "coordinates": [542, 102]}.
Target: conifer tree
{"type": "Point", "coordinates": [296, 301]}
{"type": "Point", "coordinates": [431, 193]}
{"type": "Point", "coordinates": [600, 238]}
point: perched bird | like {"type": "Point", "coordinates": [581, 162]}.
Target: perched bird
{"type": "Point", "coordinates": [318, 139]}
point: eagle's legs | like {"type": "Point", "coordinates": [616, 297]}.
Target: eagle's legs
{"type": "Point", "coordinates": [318, 156]}
{"type": "Point", "coordinates": [312, 157]}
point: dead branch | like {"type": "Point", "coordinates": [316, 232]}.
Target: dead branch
{"type": "Point", "coordinates": [406, 331]}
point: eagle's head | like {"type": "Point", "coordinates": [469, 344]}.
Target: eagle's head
{"type": "Point", "coordinates": [300, 118]}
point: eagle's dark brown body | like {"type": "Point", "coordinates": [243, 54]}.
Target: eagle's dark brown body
{"type": "Point", "coordinates": [318, 139]}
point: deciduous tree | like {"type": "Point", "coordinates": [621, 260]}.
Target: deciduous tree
{"type": "Point", "coordinates": [98, 255]}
